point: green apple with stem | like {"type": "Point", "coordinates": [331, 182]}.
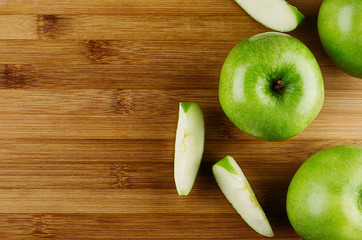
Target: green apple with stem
{"type": "Point", "coordinates": [238, 191]}
{"type": "Point", "coordinates": [271, 86]}
{"type": "Point", "coordinates": [324, 199]}
{"type": "Point", "coordinates": [275, 14]}
{"type": "Point", "coordinates": [189, 146]}
{"type": "Point", "coordinates": [340, 31]}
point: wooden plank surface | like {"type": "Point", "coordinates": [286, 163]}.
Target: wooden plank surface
{"type": "Point", "coordinates": [89, 94]}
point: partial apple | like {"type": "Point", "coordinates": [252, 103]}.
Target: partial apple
{"type": "Point", "coordinates": [340, 31]}
{"type": "Point", "coordinates": [275, 14]}
{"type": "Point", "coordinates": [271, 86]}
{"type": "Point", "coordinates": [189, 146]}
{"type": "Point", "coordinates": [237, 190]}
{"type": "Point", "coordinates": [324, 199]}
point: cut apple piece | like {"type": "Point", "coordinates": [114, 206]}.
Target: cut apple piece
{"type": "Point", "coordinates": [237, 190]}
{"type": "Point", "coordinates": [275, 14]}
{"type": "Point", "coordinates": [189, 146]}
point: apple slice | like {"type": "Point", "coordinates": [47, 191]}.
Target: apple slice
{"type": "Point", "coordinates": [275, 14]}
{"type": "Point", "coordinates": [189, 146]}
{"type": "Point", "coordinates": [237, 190]}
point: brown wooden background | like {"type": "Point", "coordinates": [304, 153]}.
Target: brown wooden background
{"type": "Point", "coordinates": [89, 94]}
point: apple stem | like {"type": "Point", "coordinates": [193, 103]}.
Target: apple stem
{"type": "Point", "coordinates": [280, 84]}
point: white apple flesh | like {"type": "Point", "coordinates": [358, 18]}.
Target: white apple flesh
{"type": "Point", "coordinates": [239, 193]}
{"type": "Point", "coordinates": [189, 146]}
{"type": "Point", "coordinates": [275, 14]}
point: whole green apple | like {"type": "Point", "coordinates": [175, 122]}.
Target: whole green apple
{"type": "Point", "coordinates": [340, 31]}
{"type": "Point", "coordinates": [325, 195]}
{"type": "Point", "coordinates": [271, 86]}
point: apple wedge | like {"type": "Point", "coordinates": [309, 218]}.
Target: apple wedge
{"type": "Point", "coordinates": [275, 14]}
{"type": "Point", "coordinates": [189, 146]}
{"type": "Point", "coordinates": [237, 190]}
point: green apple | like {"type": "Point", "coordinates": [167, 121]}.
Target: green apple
{"type": "Point", "coordinates": [237, 190]}
{"type": "Point", "coordinates": [271, 86]}
{"type": "Point", "coordinates": [275, 14]}
{"type": "Point", "coordinates": [325, 195]}
{"type": "Point", "coordinates": [340, 31]}
{"type": "Point", "coordinates": [189, 146]}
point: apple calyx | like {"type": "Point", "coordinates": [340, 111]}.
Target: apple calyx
{"type": "Point", "coordinates": [279, 84]}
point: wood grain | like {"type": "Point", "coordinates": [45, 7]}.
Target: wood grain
{"type": "Point", "coordinates": [115, 226]}
{"type": "Point", "coordinates": [164, 7]}
{"type": "Point", "coordinates": [89, 94]}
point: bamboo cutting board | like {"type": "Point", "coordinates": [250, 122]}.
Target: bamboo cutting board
{"type": "Point", "coordinates": [89, 94]}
